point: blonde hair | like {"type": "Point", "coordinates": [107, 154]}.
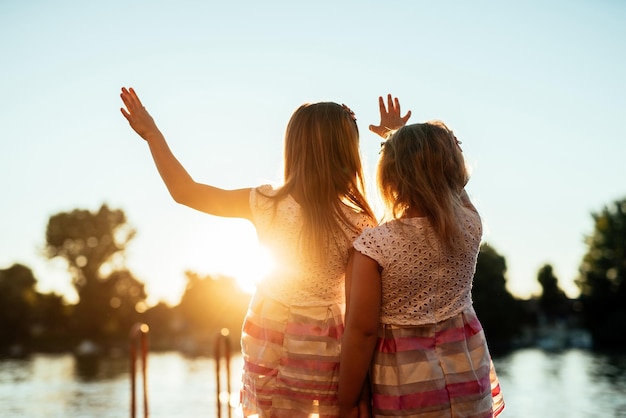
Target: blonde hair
{"type": "Point", "coordinates": [323, 172]}
{"type": "Point", "coordinates": [422, 169]}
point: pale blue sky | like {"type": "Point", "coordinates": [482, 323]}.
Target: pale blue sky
{"type": "Point", "coordinates": [535, 90]}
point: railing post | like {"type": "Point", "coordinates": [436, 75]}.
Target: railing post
{"type": "Point", "coordinates": [222, 342]}
{"type": "Point", "coordinates": [138, 337]}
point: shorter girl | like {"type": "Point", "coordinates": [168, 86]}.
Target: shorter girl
{"type": "Point", "coordinates": [410, 321]}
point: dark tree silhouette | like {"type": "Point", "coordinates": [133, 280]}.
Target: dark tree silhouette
{"type": "Point", "coordinates": [29, 319]}
{"type": "Point", "coordinates": [166, 326]}
{"type": "Point", "coordinates": [602, 279]}
{"type": "Point", "coordinates": [50, 322]}
{"type": "Point", "coordinates": [17, 302]}
{"type": "Point", "coordinates": [93, 244]}
{"type": "Point", "coordinates": [87, 241]}
{"type": "Point", "coordinates": [499, 312]}
{"type": "Point", "coordinates": [553, 301]}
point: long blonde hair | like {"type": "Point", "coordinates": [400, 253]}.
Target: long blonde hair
{"type": "Point", "coordinates": [422, 169]}
{"type": "Point", "coordinates": [323, 172]}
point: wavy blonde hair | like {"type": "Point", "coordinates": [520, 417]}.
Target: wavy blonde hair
{"type": "Point", "coordinates": [422, 169]}
{"type": "Point", "coordinates": [324, 173]}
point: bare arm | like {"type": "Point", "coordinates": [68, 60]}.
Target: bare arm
{"type": "Point", "coordinates": [390, 118]}
{"type": "Point", "coordinates": [359, 340]}
{"type": "Point", "coordinates": [182, 187]}
{"type": "Point", "coordinates": [365, 402]}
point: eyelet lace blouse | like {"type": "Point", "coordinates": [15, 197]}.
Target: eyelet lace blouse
{"type": "Point", "coordinates": [421, 282]}
{"type": "Point", "coordinates": [294, 279]}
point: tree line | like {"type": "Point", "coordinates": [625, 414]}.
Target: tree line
{"type": "Point", "coordinates": [111, 299]}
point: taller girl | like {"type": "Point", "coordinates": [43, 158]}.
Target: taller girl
{"type": "Point", "coordinates": [292, 331]}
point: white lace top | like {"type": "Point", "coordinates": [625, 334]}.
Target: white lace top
{"type": "Point", "coordinates": [421, 282]}
{"type": "Point", "coordinates": [296, 280]}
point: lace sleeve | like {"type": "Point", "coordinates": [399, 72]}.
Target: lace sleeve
{"type": "Point", "coordinates": [258, 202]}
{"type": "Point", "coordinates": [368, 245]}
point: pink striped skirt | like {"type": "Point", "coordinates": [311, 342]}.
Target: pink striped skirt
{"type": "Point", "coordinates": [432, 371]}
{"type": "Point", "coordinates": [291, 359]}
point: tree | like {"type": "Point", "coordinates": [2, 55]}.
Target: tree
{"type": "Point", "coordinates": [498, 311]}
{"type": "Point", "coordinates": [17, 302]}
{"type": "Point", "coordinates": [88, 241]}
{"type": "Point", "coordinates": [165, 326]}
{"type": "Point", "coordinates": [212, 303]}
{"type": "Point", "coordinates": [602, 278]}
{"type": "Point", "coordinates": [50, 323]}
{"type": "Point", "coordinates": [29, 319]}
{"type": "Point", "coordinates": [108, 307]}
{"type": "Point", "coordinates": [93, 244]}
{"type": "Point", "coordinates": [553, 301]}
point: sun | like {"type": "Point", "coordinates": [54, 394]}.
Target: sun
{"type": "Point", "coordinates": [235, 252]}
{"type": "Point", "coordinates": [249, 273]}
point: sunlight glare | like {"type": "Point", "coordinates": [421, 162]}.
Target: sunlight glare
{"type": "Point", "coordinates": [238, 254]}
{"type": "Point", "coordinates": [249, 272]}
{"type": "Point", "coordinates": [222, 247]}
{"type": "Point", "coordinates": [224, 396]}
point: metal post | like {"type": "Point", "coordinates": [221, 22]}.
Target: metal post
{"type": "Point", "coordinates": [222, 341]}
{"type": "Point", "coordinates": [138, 337]}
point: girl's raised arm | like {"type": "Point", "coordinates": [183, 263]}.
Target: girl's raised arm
{"type": "Point", "coordinates": [182, 187]}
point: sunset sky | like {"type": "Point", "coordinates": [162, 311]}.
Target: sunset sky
{"type": "Point", "coordinates": [535, 90]}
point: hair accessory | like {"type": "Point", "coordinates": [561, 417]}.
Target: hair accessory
{"type": "Point", "coordinates": [352, 115]}
{"type": "Point", "coordinates": [458, 143]}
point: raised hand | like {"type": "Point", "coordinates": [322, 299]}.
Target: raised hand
{"type": "Point", "coordinates": [390, 118]}
{"type": "Point", "coordinates": [137, 115]}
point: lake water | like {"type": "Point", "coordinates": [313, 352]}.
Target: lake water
{"type": "Point", "coordinates": [572, 384]}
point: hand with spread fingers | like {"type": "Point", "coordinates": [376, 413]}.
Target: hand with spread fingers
{"type": "Point", "coordinates": [137, 115]}
{"type": "Point", "coordinates": [390, 118]}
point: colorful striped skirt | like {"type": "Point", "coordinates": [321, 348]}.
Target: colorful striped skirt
{"type": "Point", "coordinates": [433, 371]}
{"type": "Point", "coordinates": [291, 359]}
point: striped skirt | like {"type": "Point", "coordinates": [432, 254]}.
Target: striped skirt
{"type": "Point", "coordinates": [433, 371]}
{"type": "Point", "coordinates": [291, 359]}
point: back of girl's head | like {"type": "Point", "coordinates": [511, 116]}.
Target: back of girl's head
{"type": "Point", "coordinates": [323, 169]}
{"type": "Point", "coordinates": [422, 169]}
{"type": "Point", "coordinates": [322, 149]}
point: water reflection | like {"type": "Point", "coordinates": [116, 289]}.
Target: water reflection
{"type": "Point", "coordinates": [573, 384]}
{"type": "Point", "coordinates": [66, 386]}
{"type": "Point", "coordinates": [94, 368]}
